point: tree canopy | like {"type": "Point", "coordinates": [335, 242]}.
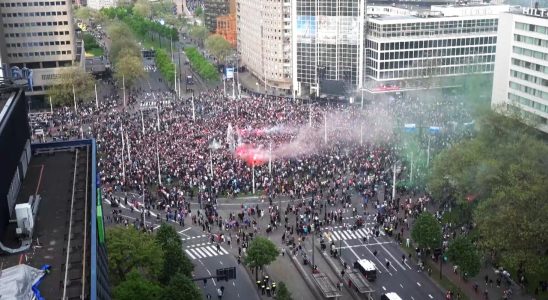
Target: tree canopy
{"type": "Point", "coordinates": [137, 287]}
{"type": "Point", "coordinates": [500, 175]}
{"type": "Point", "coordinates": [464, 254]}
{"type": "Point", "coordinates": [182, 288]}
{"type": "Point", "coordinates": [72, 81]}
{"type": "Point", "coordinates": [175, 261]}
{"type": "Point", "coordinates": [282, 292]}
{"type": "Point", "coordinates": [132, 250]}
{"type": "Point", "coordinates": [261, 252]}
{"type": "Point", "coordinates": [426, 231]}
{"type": "Point", "coordinates": [218, 47]}
{"type": "Point", "coordinates": [201, 65]}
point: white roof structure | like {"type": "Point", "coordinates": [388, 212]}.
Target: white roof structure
{"type": "Point", "coordinates": [16, 282]}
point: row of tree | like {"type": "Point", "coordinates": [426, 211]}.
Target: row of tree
{"type": "Point", "coordinates": [496, 183]}
{"type": "Point", "coordinates": [125, 54]}
{"type": "Point", "coordinates": [165, 65]}
{"type": "Point", "coordinates": [201, 65]}
{"type": "Point", "coordinates": [149, 266]}
{"type": "Point", "coordinates": [140, 25]}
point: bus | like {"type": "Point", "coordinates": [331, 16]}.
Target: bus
{"type": "Point", "coordinates": [367, 268]}
{"type": "Point", "coordinates": [390, 296]}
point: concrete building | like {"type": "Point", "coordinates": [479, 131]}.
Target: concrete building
{"type": "Point", "coordinates": [264, 41]}
{"type": "Point", "coordinates": [212, 10]}
{"type": "Point", "coordinates": [40, 40]}
{"type": "Point", "coordinates": [226, 25]}
{"type": "Point", "coordinates": [520, 83]}
{"type": "Point", "coordinates": [416, 48]}
{"type": "Point", "coordinates": [98, 4]}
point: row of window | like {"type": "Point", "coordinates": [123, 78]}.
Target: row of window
{"type": "Point", "coordinates": [34, 14]}
{"type": "Point", "coordinates": [530, 65]}
{"type": "Point", "coordinates": [528, 102]}
{"type": "Point", "coordinates": [440, 43]}
{"type": "Point", "coordinates": [35, 3]}
{"type": "Point", "coordinates": [528, 90]}
{"type": "Point", "coordinates": [527, 115]}
{"type": "Point", "coordinates": [530, 78]}
{"type": "Point", "coordinates": [532, 28]}
{"type": "Point", "coordinates": [531, 40]}
{"type": "Point", "coordinates": [29, 34]}
{"type": "Point", "coordinates": [432, 63]}
{"type": "Point", "coordinates": [37, 44]}
{"type": "Point", "coordinates": [441, 71]}
{"type": "Point", "coordinates": [432, 53]}
{"type": "Point", "coordinates": [530, 53]}
{"type": "Point", "coordinates": [40, 54]}
{"type": "Point", "coordinates": [34, 24]}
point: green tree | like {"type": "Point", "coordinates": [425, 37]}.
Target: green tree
{"type": "Point", "coordinates": [128, 67]}
{"type": "Point", "coordinates": [84, 13]}
{"type": "Point", "coordinates": [128, 250]}
{"type": "Point", "coordinates": [218, 47]}
{"type": "Point", "coordinates": [72, 81]}
{"type": "Point", "coordinates": [199, 11]}
{"type": "Point", "coordinates": [175, 261]}
{"type": "Point", "coordinates": [137, 287]}
{"type": "Point", "coordinates": [426, 231]}
{"type": "Point", "coordinates": [199, 33]}
{"type": "Point", "coordinates": [282, 292]}
{"type": "Point", "coordinates": [464, 254]}
{"type": "Point", "coordinates": [142, 8]}
{"type": "Point", "coordinates": [182, 288]}
{"type": "Point", "coordinates": [261, 252]}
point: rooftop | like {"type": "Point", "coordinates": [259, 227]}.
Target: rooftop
{"type": "Point", "coordinates": [62, 178]}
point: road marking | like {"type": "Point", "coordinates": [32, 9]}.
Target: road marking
{"type": "Point", "coordinates": [430, 296]}
{"type": "Point", "coordinates": [401, 285]}
{"type": "Point", "coordinates": [418, 283]}
{"type": "Point", "coordinates": [202, 254]}
{"type": "Point", "coordinates": [351, 234]}
{"type": "Point", "coordinates": [412, 298]}
{"type": "Point", "coordinates": [335, 236]}
{"type": "Point", "coordinates": [382, 264]}
{"type": "Point", "coordinates": [185, 230]}
{"type": "Point", "coordinates": [221, 262]}
{"type": "Point", "coordinates": [233, 283]}
{"type": "Point", "coordinates": [223, 250]}
{"type": "Point", "coordinates": [383, 288]}
{"type": "Point", "coordinates": [390, 254]}
{"type": "Point", "coordinates": [190, 254]}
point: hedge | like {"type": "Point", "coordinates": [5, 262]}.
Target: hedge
{"type": "Point", "coordinates": [164, 64]}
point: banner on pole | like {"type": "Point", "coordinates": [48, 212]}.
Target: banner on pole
{"type": "Point", "coordinates": [229, 73]}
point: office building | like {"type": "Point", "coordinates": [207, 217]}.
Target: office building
{"type": "Point", "coordinates": [57, 182]}
{"type": "Point", "coordinates": [520, 83]}
{"type": "Point", "coordinates": [415, 48]}
{"type": "Point", "coordinates": [98, 4]}
{"type": "Point", "coordinates": [328, 41]}
{"type": "Point", "coordinates": [39, 39]}
{"type": "Point", "coordinates": [212, 10]}
{"type": "Point", "coordinates": [264, 41]}
{"type": "Point", "coordinates": [226, 25]}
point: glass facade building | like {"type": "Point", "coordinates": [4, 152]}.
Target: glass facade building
{"type": "Point", "coordinates": [328, 40]}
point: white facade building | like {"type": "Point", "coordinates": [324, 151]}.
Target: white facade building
{"type": "Point", "coordinates": [520, 83]}
{"type": "Point", "coordinates": [264, 41]}
{"type": "Point", "coordinates": [98, 4]}
{"type": "Point", "coordinates": [409, 49]}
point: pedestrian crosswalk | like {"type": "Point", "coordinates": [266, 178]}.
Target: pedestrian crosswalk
{"type": "Point", "coordinates": [205, 251]}
{"type": "Point", "coordinates": [154, 103]}
{"type": "Point", "coordinates": [360, 233]}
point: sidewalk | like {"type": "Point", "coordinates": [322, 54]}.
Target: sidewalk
{"type": "Point", "coordinates": [467, 286]}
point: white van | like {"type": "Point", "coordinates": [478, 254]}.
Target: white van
{"type": "Point", "coordinates": [367, 268]}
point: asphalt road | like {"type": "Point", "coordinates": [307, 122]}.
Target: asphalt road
{"type": "Point", "coordinates": [400, 277]}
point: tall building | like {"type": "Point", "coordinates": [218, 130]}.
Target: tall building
{"type": "Point", "coordinates": [226, 25]}
{"type": "Point", "coordinates": [520, 83]}
{"type": "Point", "coordinates": [415, 48]}
{"type": "Point", "coordinates": [212, 10]}
{"type": "Point", "coordinates": [328, 41]}
{"type": "Point", "coordinates": [39, 38]}
{"type": "Point", "coordinates": [264, 41]}
{"type": "Point", "coordinates": [98, 4]}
